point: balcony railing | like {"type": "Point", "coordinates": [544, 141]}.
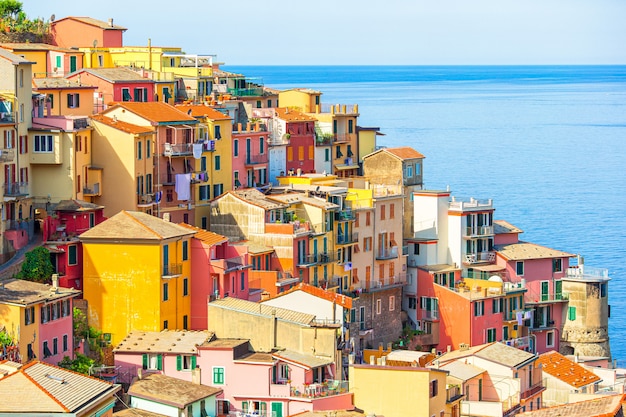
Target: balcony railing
{"type": "Point", "coordinates": [92, 189]}
{"type": "Point", "coordinates": [276, 139]}
{"type": "Point", "coordinates": [257, 159]}
{"type": "Point", "coordinates": [471, 204]}
{"type": "Point", "coordinates": [480, 257]}
{"type": "Point", "coordinates": [345, 215]}
{"type": "Point", "coordinates": [532, 390]}
{"type": "Point", "coordinates": [7, 155]}
{"type": "Point", "coordinates": [453, 393]}
{"type": "Point", "coordinates": [429, 315]}
{"type": "Point", "coordinates": [586, 273]}
{"type": "Point", "coordinates": [246, 92]}
{"type": "Point", "coordinates": [172, 269]}
{"type": "Point", "coordinates": [16, 189]}
{"type": "Point", "coordinates": [347, 238]}
{"type": "Point", "coordinates": [177, 149]}
{"type": "Point", "coordinates": [145, 199]}
{"type": "Point", "coordinates": [309, 260]}
{"type": "Point", "coordinates": [478, 231]}
{"type": "Point", "coordinates": [326, 258]}
{"type": "Point", "coordinates": [390, 253]}
{"type": "Point", "coordinates": [343, 137]}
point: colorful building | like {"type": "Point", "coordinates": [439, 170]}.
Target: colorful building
{"type": "Point", "coordinates": [38, 318]}
{"type": "Point", "coordinates": [116, 84]}
{"type": "Point", "coordinates": [50, 60]}
{"type": "Point", "coordinates": [74, 31]}
{"type": "Point", "coordinates": [137, 274]}
{"type": "Point", "coordinates": [62, 97]}
{"type": "Point", "coordinates": [298, 130]}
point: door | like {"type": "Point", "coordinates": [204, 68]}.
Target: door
{"type": "Point", "coordinates": [72, 63]}
{"type": "Point", "coordinates": [277, 409]}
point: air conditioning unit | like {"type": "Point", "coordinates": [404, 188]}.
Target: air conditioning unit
{"type": "Point", "coordinates": [167, 149]}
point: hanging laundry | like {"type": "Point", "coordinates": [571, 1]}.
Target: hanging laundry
{"type": "Point", "coordinates": [197, 150]}
{"type": "Point", "coordinates": [158, 196]}
{"type": "Point", "coordinates": [520, 317]}
{"type": "Point", "coordinates": [527, 314]}
{"type": "Point", "coordinates": [183, 182]}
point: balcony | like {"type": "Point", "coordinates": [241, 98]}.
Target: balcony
{"type": "Point", "coordinates": [346, 109]}
{"type": "Point", "coordinates": [256, 159]}
{"type": "Point", "coordinates": [347, 238]}
{"type": "Point", "coordinates": [172, 270]}
{"type": "Point", "coordinates": [345, 215]}
{"type": "Point", "coordinates": [480, 257]}
{"type": "Point", "coordinates": [453, 393]}
{"type": "Point", "coordinates": [278, 139]}
{"type": "Point", "coordinates": [309, 260]}
{"type": "Point", "coordinates": [532, 390]}
{"type": "Point", "coordinates": [246, 92]}
{"type": "Point", "coordinates": [16, 189]}
{"type": "Point", "coordinates": [586, 273]}
{"type": "Point", "coordinates": [7, 155]}
{"type": "Point", "coordinates": [177, 149]}
{"type": "Point", "coordinates": [167, 178]}
{"type": "Point", "coordinates": [478, 231]}
{"type": "Point", "coordinates": [429, 315]}
{"type": "Point", "coordinates": [343, 137]}
{"type": "Point", "coordinates": [327, 258]}
{"type": "Point", "coordinates": [145, 200]}
{"type": "Point", "coordinates": [389, 253]}
{"type": "Point", "coordinates": [398, 280]}
{"type": "Point", "coordinates": [470, 205]}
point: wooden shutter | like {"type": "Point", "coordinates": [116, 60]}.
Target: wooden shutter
{"type": "Point", "coordinates": [144, 360]}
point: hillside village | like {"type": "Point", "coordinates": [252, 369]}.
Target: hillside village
{"type": "Point", "coordinates": [236, 250]}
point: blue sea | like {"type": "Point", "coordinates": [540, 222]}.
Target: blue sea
{"type": "Point", "coordinates": [546, 143]}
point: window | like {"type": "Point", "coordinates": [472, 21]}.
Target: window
{"type": "Point", "coordinates": [290, 154]}
{"type": "Point", "coordinates": [392, 303]}
{"type": "Point", "coordinates": [571, 313]}
{"type": "Point", "coordinates": [45, 313]}
{"type": "Point", "coordinates": [218, 163]}
{"type": "Point", "coordinates": [491, 335]}
{"type": "Point", "coordinates": [218, 189]}
{"type": "Point", "coordinates": [217, 132]}
{"type": "Point", "coordinates": [139, 150]}
{"type": "Point", "coordinates": [243, 281]}
{"type": "Point", "coordinates": [392, 210]}
{"type": "Point", "coordinates": [55, 346]}
{"type": "Point", "coordinates": [65, 308]}
{"type": "Point", "coordinates": [73, 100]}
{"type": "Point", "coordinates": [43, 143]}
{"type": "Point", "coordinates": [29, 315]}
{"type": "Point", "coordinates": [382, 212]}
{"type": "Point", "coordinates": [379, 305]}
{"type": "Point", "coordinates": [72, 255]}
{"type": "Point", "coordinates": [126, 94]}
{"type": "Point", "coordinates": [479, 308]}
{"type": "Point", "coordinates": [46, 350]}
{"type": "Point", "coordinates": [165, 324]}
{"type": "Point", "coordinates": [100, 61]}
{"type": "Point", "coordinates": [261, 146]}
{"type": "Point", "coordinates": [73, 64]}
{"type": "Point", "coordinates": [65, 344]}
{"type": "Point", "coordinates": [166, 94]}
{"type": "Point", "coordinates": [338, 153]}
{"type": "Point", "coordinates": [409, 171]}
{"type": "Point", "coordinates": [218, 375]}
{"type": "Point", "coordinates": [185, 362]}
{"type": "Point", "coordinates": [603, 290]}
{"type": "Point", "coordinates": [519, 267]}
{"type": "Point", "coordinates": [300, 153]}
{"type": "Point", "coordinates": [185, 286]}
{"type": "Point", "coordinates": [326, 155]}
{"type": "Point", "coordinates": [350, 126]}
{"type": "Point", "coordinates": [152, 361]}
{"type": "Point", "coordinates": [21, 78]}
{"type": "Point", "coordinates": [557, 265]}
{"type": "Point", "coordinates": [505, 333]}
{"type": "Point", "coordinates": [550, 339]}
{"type": "Point", "coordinates": [236, 147]}
{"type": "Point", "coordinates": [185, 250]}
{"type": "Point", "coordinates": [434, 388]}
{"type": "Point", "coordinates": [58, 61]}
{"type": "Point", "coordinates": [141, 94]}
{"type": "Point", "coordinates": [165, 291]}
{"type": "Point", "coordinates": [497, 305]}
{"type": "Point", "coordinates": [185, 322]}
{"type": "Point", "coordinates": [204, 192]}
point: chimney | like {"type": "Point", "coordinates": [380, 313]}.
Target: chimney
{"type": "Point", "coordinates": [372, 360]}
{"type": "Point", "coordinates": [139, 373]}
{"type": "Point", "coordinates": [111, 22]}
{"type": "Point", "coordinates": [195, 375]}
{"type": "Point", "coordinates": [55, 283]}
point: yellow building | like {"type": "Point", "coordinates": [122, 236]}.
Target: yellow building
{"type": "Point", "coordinates": [398, 391]}
{"type": "Point", "coordinates": [63, 97]}
{"type": "Point", "coordinates": [136, 273]}
{"type": "Point", "coordinates": [126, 151]}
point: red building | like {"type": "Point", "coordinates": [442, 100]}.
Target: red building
{"type": "Point", "coordinates": [117, 84]}
{"type": "Point", "coordinates": [300, 133]}
{"type": "Point", "coordinates": [61, 229]}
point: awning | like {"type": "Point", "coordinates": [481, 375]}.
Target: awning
{"type": "Point", "coordinates": [54, 249]}
{"type": "Point", "coordinates": [344, 167]}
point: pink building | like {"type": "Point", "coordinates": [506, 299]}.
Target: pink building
{"type": "Point", "coordinates": [74, 31]}
{"type": "Point", "coordinates": [60, 236]}
{"type": "Point", "coordinates": [116, 84]}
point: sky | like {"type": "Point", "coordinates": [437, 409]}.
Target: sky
{"type": "Point", "coordinates": [366, 32]}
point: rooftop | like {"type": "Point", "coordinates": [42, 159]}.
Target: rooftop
{"type": "Point", "coordinates": [250, 307]}
{"type": "Point", "coordinates": [309, 361]}
{"type": "Point", "coordinates": [166, 341]}
{"type": "Point", "coordinates": [155, 111]}
{"type": "Point", "coordinates": [403, 153]}
{"type": "Point", "coordinates": [291, 115]}
{"type": "Point", "coordinates": [76, 206]}
{"type": "Point", "coordinates": [123, 126]}
{"type": "Point", "coordinates": [523, 250]}
{"type": "Point", "coordinates": [91, 21]}
{"type": "Point", "coordinates": [254, 196]}
{"type": "Point", "coordinates": [58, 83]}
{"type": "Point", "coordinates": [339, 299]}
{"type": "Point", "coordinates": [566, 370]}
{"type": "Point", "coordinates": [22, 292]}
{"type": "Point", "coordinates": [200, 110]}
{"type": "Point", "coordinates": [173, 391]}
{"type": "Point", "coordinates": [462, 371]}
{"type": "Point", "coordinates": [495, 352]}
{"type": "Point", "coordinates": [117, 74]}
{"type": "Point", "coordinates": [502, 226]}
{"type": "Point", "coordinates": [134, 225]}
{"type": "Point", "coordinates": [205, 236]}
{"type": "Point", "coordinates": [608, 406]}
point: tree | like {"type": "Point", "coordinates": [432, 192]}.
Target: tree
{"type": "Point", "coordinates": [10, 9]}
{"type": "Point", "coordinates": [37, 265]}
{"type": "Point", "coordinates": [81, 364]}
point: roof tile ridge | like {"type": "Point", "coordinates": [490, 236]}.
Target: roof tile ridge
{"type": "Point", "coordinates": [142, 225]}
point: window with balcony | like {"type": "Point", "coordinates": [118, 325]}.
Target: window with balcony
{"type": "Point", "coordinates": [43, 144]}
{"type": "Point", "coordinates": [429, 307]}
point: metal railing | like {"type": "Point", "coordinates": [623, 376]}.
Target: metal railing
{"type": "Point", "coordinates": [16, 188]}
{"type": "Point", "coordinates": [257, 159]}
{"type": "Point", "coordinates": [172, 269]}
{"type": "Point", "coordinates": [347, 238]}
{"type": "Point", "coordinates": [474, 258]}
{"type": "Point", "coordinates": [177, 149]}
{"type": "Point", "coordinates": [389, 253]}
{"type": "Point", "coordinates": [479, 231]}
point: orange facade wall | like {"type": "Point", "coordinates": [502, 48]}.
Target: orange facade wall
{"type": "Point", "coordinates": [72, 33]}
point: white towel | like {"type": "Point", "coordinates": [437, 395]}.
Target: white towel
{"type": "Point", "coordinates": [197, 150]}
{"type": "Point", "coordinates": [183, 182]}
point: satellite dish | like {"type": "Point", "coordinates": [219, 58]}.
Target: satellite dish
{"type": "Point", "coordinates": [52, 17]}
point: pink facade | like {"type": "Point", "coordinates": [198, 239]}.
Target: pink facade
{"type": "Point", "coordinates": [55, 333]}
{"type": "Point", "coordinates": [250, 157]}
{"type": "Point", "coordinates": [132, 90]}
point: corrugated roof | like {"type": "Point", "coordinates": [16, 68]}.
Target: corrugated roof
{"type": "Point", "coordinates": [291, 115]}
{"type": "Point", "coordinates": [205, 236]}
{"type": "Point", "coordinates": [502, 226]}
{"type": "Point", "coordinates": [44, 388]}
{"type": "Point", "coordinates": [303, 359]}
{"type": "Point", "coordinates": [165, 389]}
{"type": "Point", "coordinates": [566, 370]}
{"type": "Point", "coordinates": [166, 341]}
{"type": "Point", "coordinates": [523, 250]}
{"type": "Point", "coordinates": [608, 406]}
{"type": "Point", "coordinates": [123, 126]}
{"type": "Point", "coordinates": [155, 111]}
{"type": "Point", "coordinates": [133, 225]}
{"type": "Point", "coordinates": [200, 110]}
{"type": "Point", "coordinates": [22, 292]}
{"type": "Point", "coordinates": [232, 303]}
{"type": "Point", "coordinates": [340, 299]}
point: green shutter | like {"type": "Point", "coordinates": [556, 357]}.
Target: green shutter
{"type": "Point", "coordinates": [179, 362]}
{"type": "Point", "coordinates": [193, 362]}
{"type": "Point", "coordinates": [571, 313]}
{"type": "Point", "coordinates": [274, 374]}
{"type": "Point", "coordinates": [144, 361]}
{"type": "Point", "coordinates": [160, 362]}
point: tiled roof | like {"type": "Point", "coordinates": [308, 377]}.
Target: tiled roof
{"type": "Point", "coordinates": [502, 226]}
{"type": "Point", "coordinates": [284, 314]}
{"type": "Point", "coordinates": [137, 412]}
{"type": "Point", "coordinates": [256, 357]}
{"type": "Point", "coordinates": [199, 110]}
{"type": "Point", "coordinates": [254, 248]}
{"type": "Point", "coordinates": [166, 341]}
{"type": "Point", "coordinates": [123, 126]}
{"type": "Point", "coordinates": [291, 115]}
{"type": "Point", "coordinates": [205, 236]}
{"type": "Point", "coordinates": [22, 292]}
{"type": "Point", "coordinates": [462, 371]}
{"type": "Point", "coordinates": [156, 111]}
{"type": "Point", "coordinates": [303, 359]}
{"type": "Point", "coordinates": [43, 388]}
{"type": "Point", "coordinates": [303, 198]}
{"type": "Point", "coordinates": [27, 46]}
{"type": "Point", "coordinates": [403, 153]}
{"type": "Point", "coordinates": [566, 370]}
{"type": "Point", "coordinates": [495, 352]}
{"type": "Point", "coordinates": [76, 206]}
{"type": "Point", "coordinates": [133, 225]}
{"type": "Point", "coordinates": [117, 74]}
{"type": "Point", "coordinates": [225, 343]}
{"type": "Point", "coordinates": [254, 196]}
{"type": "Point", "coordinates": [167, 390]}
{"type": "Point", "coordinates": [93, 22]}
{"type": "Point", "coordinates": [59, 83]}
{"type": "Point", "coordinates": [15, 59]}
{"type": "Point", "coordinates": [523, 250]}
{"type": "Point", "coordinates": [340, 299]}
{"type": "Point", "coordinates": [608, 406]}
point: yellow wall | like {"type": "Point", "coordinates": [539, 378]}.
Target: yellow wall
{"type": "Point", "coordinates": [39, 58]}
{"type": "Point", "coordinates": [303, 100]}
{"type": "Point", "coordinates": [397, 391]}
{"type": "Point", "coordinates": [12, 318]}
{"type": "Point", "coordinates": [59, 101]}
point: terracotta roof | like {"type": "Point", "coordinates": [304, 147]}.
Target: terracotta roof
{"type": "Point", "coordinates": [291, 115]}
{"type": "Point", "coordinates": [22, 292]}
{"type": "Point", "coordinates": [76, 205]}
{"type": "Point", "coordinates": [137, 412]}
{"type": "Point", "coordinates": [155, 111]}
{"type": "Point", "coordinates": [608, 406]}
{"type": "Point", "coordinates": [173, 391]}
{"type": "Point", "coordinates": [166, 341]}
{"type": "Point", "coordinates": [132, 225]}
{"type": "Point", "coordinates": [93, 22]}
{"type": "Point", "coordinates": [205, 236]}
{"type": "Point", "coordinates": [26, 46]}
{"type": "Point", "coordinates": [199, 110]}
{"type": "Point", "coordinates": [523, 250]}
{"type": "Point", "coordinates": [303, 359]}
{"type": "Point", "coordinates": [340, 299]}
{"type": "Point", "coordinates": [502, 226]}
{"type": "Point", "coordinates": [566, 370]}
{"type": "Point", "coordinates": [43, 388]}
{"type": "Point", "coordinates": [284, 314]}
{"type": "Point", "coordinates": [122, 126]}
{"type": "Point", "coordinates": [117, 74]}
{"type": "Point", "coordinates": [403, 153]}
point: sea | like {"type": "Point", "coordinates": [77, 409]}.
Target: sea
{"type": "Point", "coordinates": [546, 143]}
